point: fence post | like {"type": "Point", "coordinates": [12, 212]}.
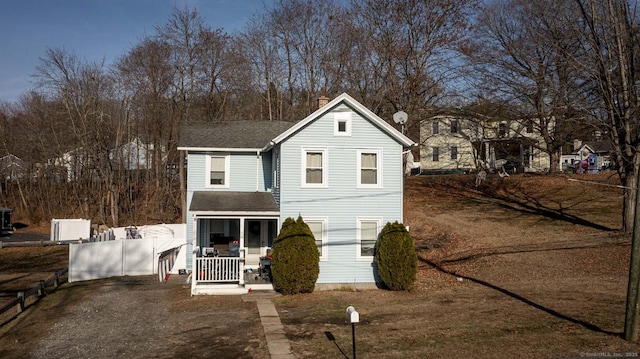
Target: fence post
{"type": "Point", "coordinates": [41, 287]}
{"type": "Point", "coordinates": [21, 304]}
{"type": "Point", "coordinates": [56, 280]}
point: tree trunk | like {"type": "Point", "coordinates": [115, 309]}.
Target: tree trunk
{"type": "Point", "coordinates": [628, 208]}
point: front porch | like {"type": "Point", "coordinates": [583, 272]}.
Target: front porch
{"type": "Point", "coordinates": [227, 275]}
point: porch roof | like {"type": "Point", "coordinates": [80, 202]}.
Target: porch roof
{"type": "Point", "coordinates": [245, 202]}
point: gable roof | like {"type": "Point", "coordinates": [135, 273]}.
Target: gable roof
{"type": "Point", "coordinates": [231, 135]}
{"type": "Point", "coordinates": [209, 201]}
{"type": "Point", "coordinates": [356, 106]}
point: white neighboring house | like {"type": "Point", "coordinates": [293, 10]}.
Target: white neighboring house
{"type": "Point", "coordinates": [455, 143]}
{"type": "Point", "coordinates": [134, 155]}
{"type": "Point", "coordinates": [12, 167]}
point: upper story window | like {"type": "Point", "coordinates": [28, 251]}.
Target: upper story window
{"type": "Point", "coordinates": [435, 127]}
{"type": "Point", "coordinates": [529, 126]}
{"type": "Point", "coordinates": [217, 168]}
{"type": "Point", "coordinates": [369, 168]}
{"type": "Point", "coordinates": [342, 124]}
{"type": "Point", "coordinates": [318, 226]}
{"type": "Point", "coordinates": [502, 129]}
{"type": "Point", "coordinates": [435, 154]}
{"type": "Point", "coordinates": [314, 167]}
{"type": "Point", "coordinates": [454, 126]}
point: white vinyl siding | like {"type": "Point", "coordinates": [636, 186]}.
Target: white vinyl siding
{"type": "Point", "coordinates": [314, 167]}
{"type": "Point", "coordinates": [367, 236]}
{"type": "Point", "coordinates": [369, 168]}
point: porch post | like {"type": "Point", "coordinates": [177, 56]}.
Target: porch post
{"type": "Point", "coordinates": [194, 250]}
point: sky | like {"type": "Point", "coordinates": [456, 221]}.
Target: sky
{"type": "Point", "coordinates": [93, 30]}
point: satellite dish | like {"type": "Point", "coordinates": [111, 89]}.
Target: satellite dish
{"type": "Point", "coordinates": [400, 117]}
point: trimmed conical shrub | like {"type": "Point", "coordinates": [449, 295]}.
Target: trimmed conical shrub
{"type": "Point", "coordinates": [396, 257]}
{"type": "Point", "coordinates": [295, 263]}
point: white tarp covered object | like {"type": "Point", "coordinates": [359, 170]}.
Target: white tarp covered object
{"type": "Point", "coordinates": [70, 229]}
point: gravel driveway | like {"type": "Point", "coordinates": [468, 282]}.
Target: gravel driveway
{"type": "Point", "coordinates": [137, 317]}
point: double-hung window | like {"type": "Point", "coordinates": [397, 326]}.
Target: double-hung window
{"type": "Point", "coordinates": [318, 226]}
{"type": "Point", "coordinates": [314, 167]}
{"type": "Point", "coordinates": [435, 154]}
{"type": "Point", "coordinates": [369, 168]}
{"type": "Point", "coordinates": [435, 128]}
{"type": "Point", "coordinates": [366, 237]}
{"type": "Point", "coordinates": [217, 171]}
{"type": "Point", "coordinates": [454, 153]}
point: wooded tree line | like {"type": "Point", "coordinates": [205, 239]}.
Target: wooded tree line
{"type": "Point", "coordinates": [569, 63]}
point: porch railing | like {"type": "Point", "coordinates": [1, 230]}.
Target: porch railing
{"type": "Point", "coordinates": [219, 269]}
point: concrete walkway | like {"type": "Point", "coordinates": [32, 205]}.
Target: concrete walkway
{"type": "Point", "coordinates": [277, 342]}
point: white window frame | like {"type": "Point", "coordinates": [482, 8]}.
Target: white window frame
{"type": "Point", "coordinates": [324, 251]}
{"type": "Point", "coordinates": [342, 117]}
{"type": "Point", "coordinates": [359, 221]}
{"type": "Point", "coordinates": [325, 169]}
{"type": "Point", "coordinates": [227, 166]}
{"type": "Point", "coordinates": [378, 153]}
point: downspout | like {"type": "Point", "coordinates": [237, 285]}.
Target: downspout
{"type": "Point", "coordinates": [257, 170]}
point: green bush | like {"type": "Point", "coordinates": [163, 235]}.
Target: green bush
{"type": "Point", "coordinates": [295, 263]}
{"type": "Point", "coordinates": [396, 257]}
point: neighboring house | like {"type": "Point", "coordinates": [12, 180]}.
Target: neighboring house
{"type": "Point", "coordinates": [134, 155]}
{"type": "Point", "coordinates": [12, 167]}
{"type": "Point", "coordinates": [460, 143]}
{"type": "Point", "coordinates": [588, 157]}
{"type": "Point", "coordinates": [340, 168]}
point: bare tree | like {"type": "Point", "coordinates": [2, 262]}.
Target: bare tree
{"type": "Point", "coordinates": [608, 33]}
{"type": "Point", "coordinates": [521, 56]}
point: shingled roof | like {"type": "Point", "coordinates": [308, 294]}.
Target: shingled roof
{"type": "Point", "coordinates": [233, 202]}
{"type": "Point", "coordinates": [232, 134]}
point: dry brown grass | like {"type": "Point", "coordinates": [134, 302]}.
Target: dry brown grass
{"type": "Point", "coordinates": [523, 267]}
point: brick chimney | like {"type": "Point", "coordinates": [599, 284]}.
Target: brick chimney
{"type": "Point", "coordinates": [322, 100]}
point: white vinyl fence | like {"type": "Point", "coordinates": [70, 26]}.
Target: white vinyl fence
{"type": "Point", "coordinates": [120, 257]}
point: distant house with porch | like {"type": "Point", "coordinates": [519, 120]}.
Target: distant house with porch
{"type": "Point", "coordinates": [457, 143]}
{"type": "Point", "coordinates": [340, 168]}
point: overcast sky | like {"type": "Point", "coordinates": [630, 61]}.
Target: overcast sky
{"type": "Point", "coordinates": [92, 29]}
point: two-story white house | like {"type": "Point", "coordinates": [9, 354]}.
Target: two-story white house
{"type": "Point", "coordinates": [340, 168]}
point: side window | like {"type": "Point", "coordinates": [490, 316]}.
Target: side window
{"type": "Point", "coordinates": [454, 153]}
{"type": "Point", "coordinates": [318, 227]}
{"type": "Point", "coordinates": [314, 167]}
{"type": "Point", "coordinates": [217, 171]}
{"type": "Point", "coordinates": [454, 126]}
{"type": "Point", "coordinates": [367, 236]}
{"type": "Point", "coordinates": [435, 155]}
{"type": "Point", "coordinates": [369, 168]}
{"type": "Point", "coordinates": [435, 128]}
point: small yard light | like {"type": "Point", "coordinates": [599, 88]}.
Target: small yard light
{"type": "Point", "coordinates": [353, 317]}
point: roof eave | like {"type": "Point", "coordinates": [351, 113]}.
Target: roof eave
{"type": "Point", "coordinates": [218, 149]}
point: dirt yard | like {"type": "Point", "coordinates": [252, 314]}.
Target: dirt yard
{"type": "Point", "coordinates": [521, 267]}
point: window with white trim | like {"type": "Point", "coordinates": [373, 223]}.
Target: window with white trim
{"type": "Point", "coordinates": [217, 168]}
{"type": "Point", "coordinates": [314, 167]}
{"type": "Point", "coordinates": [369, 168]}
{"type": "Point", "coordinates": [366, 237]}
{"type": "Point", "coordinates": [318, 226]}
{"type": "Point", "coordinates": [342, 124]}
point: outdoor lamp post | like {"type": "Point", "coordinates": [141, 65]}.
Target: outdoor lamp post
{"type": "Point", "coordinates": [353, 317]}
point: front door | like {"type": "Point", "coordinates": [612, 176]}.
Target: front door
{"type": "Point", "coordinates": [259, 235]}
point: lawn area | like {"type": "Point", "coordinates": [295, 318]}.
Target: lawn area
{"type": "Point", "coordinates": [520, 267]}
